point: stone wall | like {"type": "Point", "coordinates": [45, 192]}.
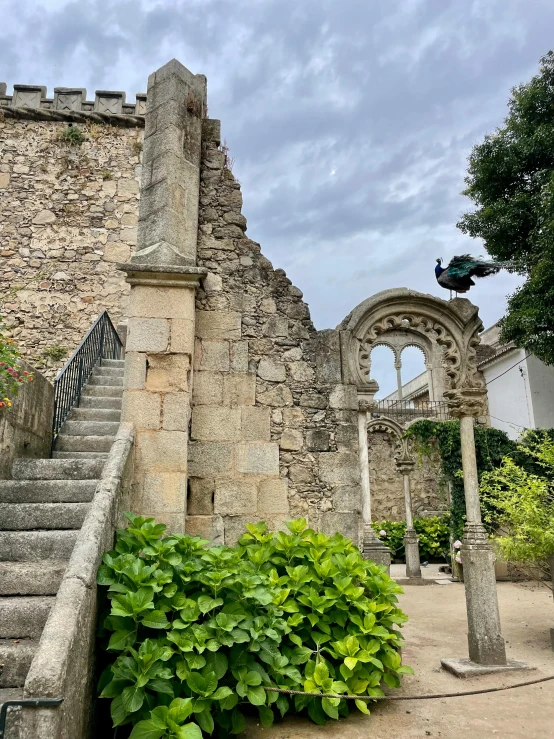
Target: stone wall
{"type": "Point", "coordinates": [68, 213]}
{"type": "Point", "coordinates": [429, 493]}
{"type": "Point", "coordinates": [274, 432]}
{"type": "Point", "coordinates": [26, 427]}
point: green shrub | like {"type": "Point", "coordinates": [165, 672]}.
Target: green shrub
{"type": "Point", "coordinates": [433, 534]}
{"type": "Point", "coordinates": [198, 633]}
{"type": "Point", "coordinates": [11, 376]}
{"type": "Point", "coordinates": [72, 135]}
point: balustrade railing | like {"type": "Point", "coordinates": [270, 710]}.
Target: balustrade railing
{"type": "Point", "coordinates": [101, 342]}
{"type": "Point", "coordinates": [408, 410]}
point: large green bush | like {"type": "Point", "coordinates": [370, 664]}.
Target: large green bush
{"type": "Point", "coordinates": [433, 534]}
{"type": "Point", "coordinates": [198, 633]}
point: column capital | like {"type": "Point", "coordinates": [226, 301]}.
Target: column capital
{"type": "Point", "coordinates": [163, 276]}
{"type": "Point", "coordinates": [469, 401]}
{"type": "Point", "coordinates": [405, 466]}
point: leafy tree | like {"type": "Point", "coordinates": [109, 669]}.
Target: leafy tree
{"type": "Point", "coordinates": [511, 181]}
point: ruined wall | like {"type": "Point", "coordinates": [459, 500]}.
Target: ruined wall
{"type": "Point", "coordinates": [429, 494]}
{"type": "Point", "coordinates": [68, 213]}
{"type": "Point", "coordinates": [273, 432]}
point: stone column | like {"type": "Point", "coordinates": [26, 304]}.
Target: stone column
{"type": "Point", "coordinates": [486, 644]}
{"type": "Point", "coordinates": [163, 279]}
{"type": "Point", "coordinates": [398, 368]}
{"type": "Point", "coordinates": [411, 543]}
{"type": "Point", "coordinates": [372, 547]}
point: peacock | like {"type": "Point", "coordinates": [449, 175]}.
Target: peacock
{"type": "Point", "coordinates": [457, 276]}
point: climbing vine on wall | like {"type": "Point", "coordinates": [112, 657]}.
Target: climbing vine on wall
{"type": "Point", "coordinates": [491, 445]}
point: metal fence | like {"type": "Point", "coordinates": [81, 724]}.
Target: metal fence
{"type": "Point", "coordinates": [409, 410]}
{"type": "Point", "coordinates": [100, 342]}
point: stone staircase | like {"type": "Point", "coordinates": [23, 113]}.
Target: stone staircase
{"type": "Point", "coordinates": [41, 511]}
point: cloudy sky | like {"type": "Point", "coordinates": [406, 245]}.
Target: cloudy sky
{"type": "Point", "coordinates": [350, 120]}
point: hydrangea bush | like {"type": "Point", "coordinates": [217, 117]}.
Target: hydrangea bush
{"type": "Point", "coordinates": [197, 634]}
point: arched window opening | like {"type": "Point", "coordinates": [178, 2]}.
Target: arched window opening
{"type": "Point", "coordinates": [382, 369]}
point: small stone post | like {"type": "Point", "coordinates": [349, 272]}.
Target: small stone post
{"type": "Point", "coordinates": [163, 278]}
{"type": "Point", "coordinates": [411, 543]}
{"type": "Point", "coordinates": [372, 547]}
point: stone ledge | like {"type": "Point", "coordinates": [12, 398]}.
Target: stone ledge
{"type": "Point", "coordinates": [464, 668]}
{"type": "Point", "coordinates": [122, 120]}
{"type": "Point", "coordinates": [163, 275]}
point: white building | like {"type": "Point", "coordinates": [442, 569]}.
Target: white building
{"type": "Point", "coordinates": [520, 387]}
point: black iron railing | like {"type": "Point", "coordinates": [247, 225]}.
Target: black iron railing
{"type": "Point", "coordinates": [27, 703]}
{"type": "Point", "coordinates": [408, 410]}
{"type": "Point", "coordinates": [101, 342]}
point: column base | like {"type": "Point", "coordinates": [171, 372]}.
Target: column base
{"type": "Point", "coordinates": [464, 668]}
{"type": "Point", "coordinates": [411, 546]}
{"type": "Point", "coordinates": [374, 549]}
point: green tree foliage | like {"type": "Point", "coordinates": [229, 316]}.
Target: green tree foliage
{"type": "Point", "coordinates": [511, 181]}
{"type": "Point", "coordinates": [433, 534]}
{"type": "Point", "coordinates": [520, 503]}
{"type": "Point", "coordinates": [197, 634]}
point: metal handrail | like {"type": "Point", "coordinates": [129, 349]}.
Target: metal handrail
{"type": "Point", "coordinates": [100, 342]}
{"type": "Point", "coordinates": [25, 703]}
{"type": "Point", "coordinates": [407, 410]}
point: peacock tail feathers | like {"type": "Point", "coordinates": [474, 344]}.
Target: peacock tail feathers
{"type": "Point", "coordinates": [467, 266]}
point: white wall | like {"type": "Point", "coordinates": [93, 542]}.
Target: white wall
{"type": "Point", "coordinates": [541, 382]}
{"type": "Point", "coordinates": [510, 401]}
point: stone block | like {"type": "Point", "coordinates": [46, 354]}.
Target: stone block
{"type": "Point", "coordinates": [279, 396]}
{"type": "Point", "coordinates": [258, 459]}
{"type": "Point", "coordinates": [176, 411]}
{"type": "Point", "coordinates": [293, 417]}
{"type": "Point", "coordinates": [344, 397]}
{"type": "Point", "coordinates": [301, 371]}
{"type": "Point", "coordinates": [239, 356]}
{"type": "Point", "coordinates": [347, 524]}
{"type": "Point", "coordinates": [347, 498]}
{"type": "Point", "coordinates": [273, 497]}
{"type": "Point", "coordinates": [164, 491]}
{"type": "Point", "coordinates": [207, 459]}
{"type": "Point", "coordinates": [213, 356]}
{"type": "Point", "coordinates": [200, 501]}
{"type": "Point", "coordinates": [117, 252]}
{"type": "Point", "coordinates": [164, 451]}
{"type": "Point", "coordinates": [210, 423]}
{"type": "Point", "coordinates": [255, 424]}
{"type": "Point", "coordinates": [206, 527]}
{"type": "Point", "coordinates": [207, 388]}
{"type": "Point", "coordinates": [239, 389]}
{"type": "Point", "coordinates": [291, 440]}
{"type": "Point", "coordinates": [218, 325]}
{"type": "Point", "coordinates": [269, 369]}
{"type": "Point", "coordinates": [167, 372]}
{"type": "Point", "coordinates": [324, 349]}
{"type": "Point", "coordinates": [147, 335]}
{"type": "Point", "coordinates": [346, 437]}
{"type": "Point", "coordinates": [182, 336]}
{"type": "Point", "coordinates": [175, 522]}
{"type": "Point", "coordinates": [276, 326]}
{"type": "Point", "coordinates": [141, 408]}
{"type": "Point", "coordinates": [233, 497]}
{"type": "Point", "coordinates": [212, 283]}
{"type": "Point", "coordinates": [147, 301]}
{"type": "Point", "coordinates": [301, 474]}
{"type": "Point", "coordinates": [135, 371]}
{"type": "Point", "coordinates": [317, 440]}
{"type": "Point", "coordinates": [339, 468]}
{"type": "Point", "coordinates": [313, 400]}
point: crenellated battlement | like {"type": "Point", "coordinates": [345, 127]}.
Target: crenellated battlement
{"type": "Point", "coordinates": [70, 103]}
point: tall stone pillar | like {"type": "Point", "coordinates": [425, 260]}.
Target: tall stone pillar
{"type": "Point", "coordinates": [163, 278]}
{"type": "Point", "coordinates": [372, 547]}
{"type": "Point", "coordinates": [487, 651]}
{"type": "Point", "coordinates": [411, 543]}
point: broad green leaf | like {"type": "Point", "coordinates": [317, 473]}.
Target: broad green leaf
{"type": "Point", "coordinates": [155, 620]}
{"type": "Point", "coordinates": [161, 686]}
{"type": "Point", "coordinates": [350, 662]}
{"type": "Point", "coordinates": [180, 709]}
{"type": "Point", "coordinates": [362, 706]}
{"type": "Point", "coordinates": [266, 716]}
{"type": "Point", "coordinates": [256, 696]}
{"type": "Point", "coordinates": [405, 670]}
{"type": "Point", "coordinates": [316, 712]}
{"type": "Point", "coordinates": [205, 721]}
{"type": "Point", "coordinates": [117, 711]}
{"type": "Point", "coordinates": [330, 706]}
{"type": "Point", "coordinates": [146, 730]}
{"type": "Point", "coordinates": [391, 680]}
{"type": "Point", "coordinates": [300, 655]}
{"type": "Point", "coordinates": [132, 698]}
{"type": "Point", "coordinates": [295, 639]}
{"type": "Point", "coordinates": [321, 673]}
{"type": "Point", "coordinates": [120, 640]}
{"type": "Point", "coordinates": [205, 603]}
{"type": "Point", "coordinates": [189, 731]}
{"type": "Point", "coordinates": [223, 692]}
{"type": "Point", "coordinates": [238, 722]}
{"type": "Point", "coordinates": [216, 662]}
{"type": "Point", "coordinates": [114, 688]}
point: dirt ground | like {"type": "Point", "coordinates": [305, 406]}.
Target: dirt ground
{"type": "Point", "coordinates": [437, 629]}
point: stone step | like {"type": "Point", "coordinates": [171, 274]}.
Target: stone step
{"type": "Point", "coordinates": [47, 491]}
{"type": "Point", "coordinates": [104, 391]}
{"type": "Point", "coordinates": [103, 371]}
{"type": "Point", "coordinates": [32, 546]}
{"type": "Point", "coordinates": [29, 516]}
{"type": "Point", "coordinates": [100, 401]}
{"type": "Point", "coordinates": [56, 469]}
{"type": "Point", "coordinates": [94, 414]}
{"type": "Point", "coordinates": [24, 617]}
{"type": "Point", "coordinates": [112, 363]}
{"type": "Point", "coordinates": [66, 443]}
{"type": "Point", "coordinates": [104, 380]}
{"type": "Point", "coordinates": [80, 455]}
{"type": "Point", "coordinates": [31, 578]}
{"type": "Point", "coordinates": [90, 428]}
{"type": "Point", "coordinates": [16, 656]}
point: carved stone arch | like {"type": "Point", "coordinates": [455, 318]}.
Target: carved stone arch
{"type": "Point", "coordinates": [422, 349]}
{"type": "Point", "coordinates": [446, 331]}
{"type": "Point", "coordinates": [393, 429]}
